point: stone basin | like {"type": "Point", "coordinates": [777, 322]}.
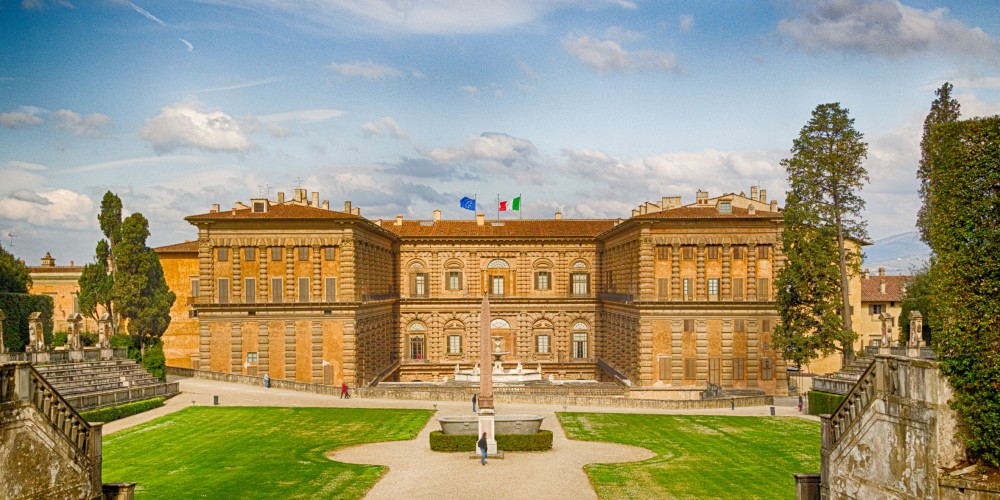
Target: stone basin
{"type": "Point", "coordinates": [512, 423]}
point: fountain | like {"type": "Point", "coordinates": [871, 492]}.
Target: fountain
{"type": "Point", "coordinates": [499, 374]}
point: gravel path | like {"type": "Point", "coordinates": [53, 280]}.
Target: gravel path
{"type": "Point", "coordinates": [416, 472]}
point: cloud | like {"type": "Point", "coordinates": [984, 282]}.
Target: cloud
{"type": "Point", "coordinates": [981, 82]}
{"type": "Point", "coordinates": [26, 116]}
{"type": "Point", "coordinates": [885, 28]}
{"type": "Point", "coordinates": [184, 125]}
{"type": "Point", "coordinates": [187, 44]}
{"type": "Point", "coordinates": [29, 196]}
{"type": "Point", "coordinates": [23, 165]}
{"type": "Point", "coordinates": [304, 115]}
{"type": "Point", "coordinates": [43, 4]}
{"type": "Point", "coordinates": [686, 23]}
{"type": "Point", "coordinates": [244, 85]}
{"type": "Point", "coordinates": [366, 69]}
{"type": "Point", "coordinates": [384, 126]}
{"type": "Point", "coordinates": [91, 125]}
{"type": "Point", "coordinates": [469, 89]}
{"type": "Point", "coordinates": [141, 162]}
{"type": "Point", "coordinates": [59, 207]}
{"type": "Point", "coordinates": [609, 56]}
{"type": "Point", "coordinates": [145, 13]}
{"type": "Point", "coordinates": [498, 154]}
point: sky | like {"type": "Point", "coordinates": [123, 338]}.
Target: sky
{"type": "Point", "coordinates": [588, 107]}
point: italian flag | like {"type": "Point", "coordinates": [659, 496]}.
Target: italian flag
{"type": "Point", "coordinates": [511, 205]}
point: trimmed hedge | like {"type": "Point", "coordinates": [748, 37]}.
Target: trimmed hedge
{"type": "Point", "coordinates": [110, 413]}
{"type": "Point", "coordinates": [506, 442]}
{"type": "Point", "coordinates": [17, 307]}
{"type": "Point", "coordinates": [823, 402]}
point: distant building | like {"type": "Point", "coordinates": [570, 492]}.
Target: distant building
{"type": "Point", "coordinates": [881, 304]}
{"type": "Point", "coordinates": [672, 299]}
{"type": "Point", "coordinates": [62, 284]}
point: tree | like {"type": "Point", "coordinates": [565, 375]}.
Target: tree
{"type": "Point", "coordinates": [823, 208]}
{"type": "Point", "coordinates": [140, 289]}
{"type": "Point", "coordinates": [95, 285]}
{"type": "Point", "coordinates": [14, 276]}
{"type": "Point", "coordinates": [944, 109]}
{"type": "Point", "coordinates": [918, 298]}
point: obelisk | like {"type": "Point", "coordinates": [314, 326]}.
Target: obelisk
{"type": "Point", "coordinates": [486, 412]}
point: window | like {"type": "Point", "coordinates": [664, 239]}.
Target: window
{"type": "Point", "coordinates": [738, 288]}
{"type": "Point", "coordinates": [249, 253]}
{"type": "Point", "coordinates": [713, 288]}
{"type": "Point", "coordinates": [609, 282]}
{"type": "Point", "coordinates": [303, 289]}
{"type": "Point", "coordinates": [714, 371]}
{"type": "Point", "coordinates": [277, 290]}
{"type": "Point", "coordinates": [222, 254]}
{"type": "Point", "coordinates": [416, 347]}
{"type": "Point", "coordinates": [763, 289]}
{"type": "Point", "coordinates": [454, 344]}
{"type": "Point", "coordinates": [543, 281]}
{"type": "Point", "coordinates": [580, 283]}
{"type": "Point", "coordinates": [690, 368]}
{"type": "Point", "coordinates": [418, 284]}
{"type": "Point", "coordinates": [329, 253]}
{"type": "Point", "coordinates": [725, 207]}
{"type": "Point", "coordinates": [687, 253]}
{"type": "Point", "coordinates": [249, 290]}
{"type": "Point", "coordinates": [662, 252]}
{"type": "Point", "coordinates": [276, 254]}
{"type": "Point", "coordinates": [662, 288]}
{"type": "Point", "coordinates": [877, 308]}
{"type": "Point", "coordinates": [498, 264]}
{"type": "Point", "coordinates": [330, 289]}
{"type": "Point", "coordinates": [713, 253]}
{"type": "Point", "coordinates": [195, 286]}
{"type": "Point", "coordinates": [579, 345]}
{"type": "Point", "coordinates": [663, 365]}
{"type": "Point", "coordinates": [765, 326]}
{"type": "Point", "coordinates": [542, 344]}
{"type": "Point", "coordinates": [740, 326]}
{"type": "Point", "coordinates": [223, 290]}
{"type": "Point", "coordinates": [303, 253]}
{"type": "Point", "coordinates": [766, 369]}
{"type": "Point", "coordinates": [496, 285]}
{"type": "Point", "coordinates": [686, 289]}
{"type": "Point", "coordinates": [259, 206]}
{"type": "Point", "coordinates": [737, 253]}
{"type": "Point", "coordinates": [251, 357]}
{"type": "Point", "coordinates": [739, 369]}
{"type": "Point", "coordinates": [763, 252]}
{"type": "Point", "coordinates": [689, 325]}
{"type": "Point", "coordinates": [454, 280]}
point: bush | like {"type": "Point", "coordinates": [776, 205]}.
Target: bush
{"type": "Point", "coordinates": [59, 338]}
{"type": "Point", "coordinates": [154, 360]}
{"type": "Point", "coordinates": [821, 403]}
{"type": "Point", "coordinates": [110, 413]}
{"type": "Point", "coordinates": [17, 307]}
{"type": "Point", "coordinates": [121, 342]}
{"type": "Point", "coordinates": [88, 339]}
{"type": "Point", "coordinates": [506, 442]}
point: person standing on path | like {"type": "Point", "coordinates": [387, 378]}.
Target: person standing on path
{"type": "Point", "coordinates": [800, 403]}
{"type": "Point", "coordinates": [344, 394]}
{"type": "Point", "coordinates": [482, 447]}
{"type": "Point", "coordinates": [267, 381]}
{"type": "Point", "coordinates": [473, 403]}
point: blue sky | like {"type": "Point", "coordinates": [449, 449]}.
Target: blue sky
{"type": "Point", "coordinates": [589, 107]}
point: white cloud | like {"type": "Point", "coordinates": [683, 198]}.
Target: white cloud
{"type": "Point", "coordinates": [58, 207]}
{"type": "Point", "coordinates": [469, 89]}
{"type": "Point", "coordinates": [499, 154]}
{"type": "Point", "coordinates": [884, 27]}
{"type": "Point", "coordinates": [91, 125]}
{"type": "Point", "coordinates": [366, 69]}
{"type": "Point", "coordinates": [305, 115]}
{"type": "Point", "coordinates": [145, 13]}
{"type": "Point", "coordinates": [609, 56]}
{"type": "Point", "coordinates": [23, 165]}
{"type": "Point", "coordinates": [185, 125]}
{"type": "Point", "coordinates": [26, 116]}
{"type": "Point", "coordinates": [243, 85]}
{"type": "Point", "coordinates": [686, 23]}
{"type": "Point", "coordinates": [188, 45]}
{"type": "Point", "coordinates": [383, 126]}
{"type": "Point", "coordinates": [141, 162]}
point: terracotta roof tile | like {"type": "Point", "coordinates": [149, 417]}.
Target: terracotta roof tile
{"type": "Point", "coordinates": [283, 211]}
{"type": "Point", "coordinates": [54, 269]}
{"type": "Point", "coordinates": [710, 212]}
{"type": "Point", "coordinates": [186, 247]}
{"type": "Point", "coordinates": [895, 288]}
{"type": "Point", "coordinates": [571, 228]}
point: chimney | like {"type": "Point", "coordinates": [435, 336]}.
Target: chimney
{"type": "Point", "coordinates": [882, 287]}
{"type": "Point", "coordinates": [315, 202]}
{"type": "Point", "coordinates": [774, 205]}
{"type": "Point", "coordinates": [558, 215]}
{"type": "Point", "coordinates": [881, 271]}
{"type": "Point", "coordinates": [347, 206]}
{"type": "Point", "coordinates": [215, 208]}
{"type": "Point", "coordinates": [281, 196]}
{"type": "Point", "coordinates": [865, 273]}
{"type": "Point", "coordinates": [480, 219]}
{"type": "Point", "coordinates": [763, 196]}
{"type": "Point", "coordinates": [399, 220]}
{"type": "Point", "coordinates": [437, 215]}
{"type": "Point", "coordinates": [702, 197]}
{"type": "Point", "coordinates": [671, 202]}
{"type": "Point", "coordinates": [751, 209]}
{"type": "Point", "coordinates": [300, 194]}
{"type": "Point", "coordinates": [48, 261]}
{"type": "Point", "coordinates": [753, 193]}
{"type": "Point", "coordinates": [356, 211]}
{"type": "Point", "coordinates": [71, 264]}
{"type": "Point", "coordinates": [326, 204]}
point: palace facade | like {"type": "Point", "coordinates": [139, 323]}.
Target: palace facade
{"type": "Point", "coordinates": [671, 299]}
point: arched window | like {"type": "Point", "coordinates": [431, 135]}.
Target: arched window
{"type": "Point", "coordinates": [454, 331]}
{"type": "Point", "coordinates": [418, 279]}
{"type": "Point", "coordinates": [499, 323]}
{"type": "Point", "coordinates": [416, 347]}
{"type": "Point", "coordinates": [498, 264]}
{"type": "Point", "coordinates": [580, 334]}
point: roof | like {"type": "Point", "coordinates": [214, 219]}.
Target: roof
{"type": "Point", "coordinates": [54, 269]}
{"type": "Point", "coordinates": [275, 211]}
{"type": "Point", "coordinates": [186, 247]}
{"type": "Point", "coordinates": [895, 288]}
{"type": "Point", "coordinates": [553, 228]}
{"type": "Point", "coordinates": [709, 212]}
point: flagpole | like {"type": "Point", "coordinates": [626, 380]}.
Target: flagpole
{"type": "Point", "coordinates": [498, 208]}
{"type": "Point", "coordinates": [520, 211]}
{"type": "Point", "coordinates": [474, 204]}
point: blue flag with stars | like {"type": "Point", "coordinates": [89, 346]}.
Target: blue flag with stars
{"type": "Point", "coordinates": [468, 203]}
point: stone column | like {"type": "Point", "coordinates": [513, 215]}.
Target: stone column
{"type": "Point", "coordinates": [486, 413]}
{"type": "Point", "coordinates": [916, 329]}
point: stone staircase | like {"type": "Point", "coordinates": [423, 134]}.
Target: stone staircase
{"type": "Point", "coordinates": [844, 380]}
{"type": "Point", "coordinates": [89, 385]}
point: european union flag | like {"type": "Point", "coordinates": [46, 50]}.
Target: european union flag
{"type": "Point", "coordinates": [468, 203]}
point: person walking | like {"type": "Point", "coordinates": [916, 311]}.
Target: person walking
{"type": "Point", "coordinates": [800, 403]}
{"type": "Point", "coordinates": [267, 381]}
{"type": "Point", "coordinates": [344, 393]}
{"type": "Point", "coordinates": [482, 447]}
{"type": "Point", "coordinates": [473, 403]}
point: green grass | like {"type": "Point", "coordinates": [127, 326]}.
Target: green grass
{"type": "Point", "coordinates": [253, 452]}
{"type": "Point", "coordinates": [700, 456]}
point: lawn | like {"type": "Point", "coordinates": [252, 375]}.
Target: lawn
{"type": "Point", "coordinates": [700, 456]}
{"type": "Point", "coordinates": [253, 452]}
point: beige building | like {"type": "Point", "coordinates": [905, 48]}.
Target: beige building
{"type": "Point", "coordinates": [672, 299]}
{"type": "Point", "coordinates": [881, 304]}
{"type": "Point", "coordinates": [62, 283]}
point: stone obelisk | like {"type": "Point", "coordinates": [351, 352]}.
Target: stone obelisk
{"type": "Point", "coordinates": [486, 413]}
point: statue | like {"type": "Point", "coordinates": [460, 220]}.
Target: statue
{"type": "Point", "coordinates": [73, 335]}
{"type": "Point", "coordinates": [36, 334]}
{"type": "Point", "coordinates": [497, 344]}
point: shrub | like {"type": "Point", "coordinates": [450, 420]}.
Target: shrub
{"type": "Point", "coordinates": [154, 360]}
{"type": "Point", "coordinates": [17, 307]}
{"type": "Point", "coordinates": [88, 339]}
{"type": "Point", "coordinates": [821, 403]}
{"type": "Point", "coordinates": [109, 413]}
{"type": "Point", "coordinates": [121, 341]}
{"type": "Point", "coordinates": [507, 442]}
{"type": "Point", "coordinates": [59, 338]}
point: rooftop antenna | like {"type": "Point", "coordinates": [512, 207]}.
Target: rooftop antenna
{"type": "Point", "coordinates": [298, 182]}
{"type": "Point", "coordinates": [265, 190]}
{"type": "Point", "coordinates": [12, 234]}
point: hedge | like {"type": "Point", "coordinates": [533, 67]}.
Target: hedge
{"type": "Point", "coordinates": [506, 442]}
{"type": "Point", "coordinates": [17, 307]}
{"type": "Point", "coordinates": [109, 413]}
{"type": "Point", "coordinates": [821, 403]}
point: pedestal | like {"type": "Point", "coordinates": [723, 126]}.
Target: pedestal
{"type": "Point", "coordinates": [487, 421]}
{"type": "Point", "coordinates": [107, 354]}
{"type": "Point", "coordinates": [75, 355]}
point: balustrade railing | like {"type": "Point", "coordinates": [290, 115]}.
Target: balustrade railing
{"type": "Point", "coordinates": [856, 401]}
{"type": "Point", "coordinates": [615, 374]}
